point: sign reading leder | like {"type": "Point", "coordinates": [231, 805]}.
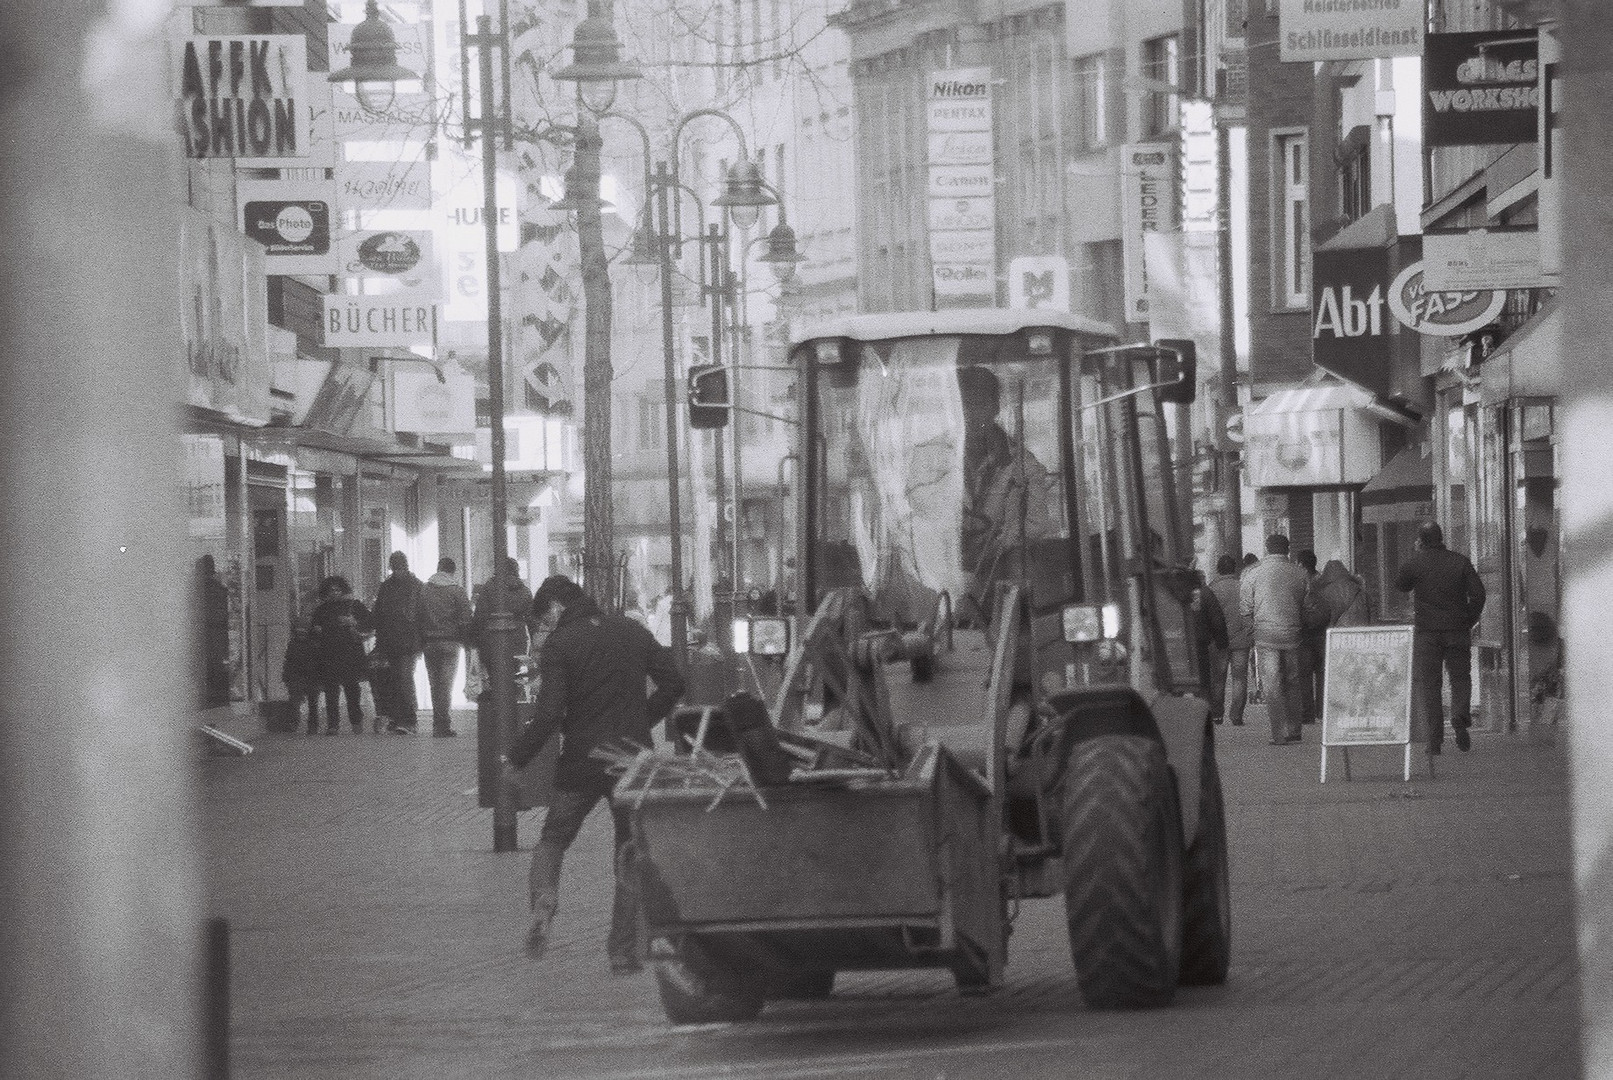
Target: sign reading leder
{"type": "Point", "coordinates": [399, 318]}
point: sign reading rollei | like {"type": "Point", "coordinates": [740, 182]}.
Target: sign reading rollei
{"type": "Point", "coordinates": [1481, 88]}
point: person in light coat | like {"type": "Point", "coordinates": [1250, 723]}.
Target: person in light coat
{"type": "Point", "coordinates": [1272, 597]}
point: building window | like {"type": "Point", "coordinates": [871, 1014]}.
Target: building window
{"type": "Point", "coordinates": [1161, 64]}
{"type": "Point", "coordinates": [1291, 248]}
{"type": "Point", "coordinates": [1088, 98]}
{"type": "Point", "coordinates": [651, 424]}
{"type": "Point", "coordinates": [1354, 156]}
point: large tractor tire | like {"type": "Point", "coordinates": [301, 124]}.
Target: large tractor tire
{"type": "Point", "coordinates": [802, 986]}
{"type": "Point", "coordinates": [1123, 872]}
{"type": "Point", "coordinates": [696, 988]}
{"type": "Point", "coordinates": [1207, 888]}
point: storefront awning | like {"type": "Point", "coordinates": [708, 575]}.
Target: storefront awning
{"type": "Point", "coordinates": [1527, 364]}
{"type": "Point", "coordinates": [1409, 477]}
{"type": "Point", "coordinates": [1311, 436]}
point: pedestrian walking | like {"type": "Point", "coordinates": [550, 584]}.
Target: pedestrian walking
{"type": "Point", "coordinates": [1341, 599]}
{"type": "Point", "coordinates": [1209, 636]}
{"type": "Point", "coordinates": [210, 634]}
{"type": "Point", "coordinates": [340, 623]}
{"type": "Point", "coordinates": [517, 601]}
{"type": "Point", "coordinates": [1229, 669]}
{"type": "Point", "coordinates": [300, 672]}
{"type": "Point", "coordinates": [593, 670]}
{"type": "Point", "coordinates": [1312, 640]}
{"type": "Point", "coordinates": [396, 617]}
{"type": "Point", "coordinates": [1447, 600]}
{"type": "Point", "coordinates": [1271, 596]}
{"type": "Point", "coordinates": [445, 625]}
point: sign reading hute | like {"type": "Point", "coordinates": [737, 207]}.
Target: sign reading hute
{"type": "Point", "coordinates": [962, 187]}
{"type": "Point", "coordinates": [243, 96]}
{"type": "Point", "coordinates": [1481, 88]}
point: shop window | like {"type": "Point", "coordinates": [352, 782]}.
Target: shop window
{"type": "Point", "coordinates": [1091, 131]}
{"type": "Point", "coordinates": [1354, 157]}
{"type": "Point", "coordinates": [1291, 224]}
{"type": "Point", "coordinates": [651, 424]}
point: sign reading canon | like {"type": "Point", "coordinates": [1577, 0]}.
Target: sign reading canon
{"type": "Point", "coordinates": [1481, 88]}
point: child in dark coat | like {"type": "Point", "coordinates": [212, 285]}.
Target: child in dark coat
{"type": "Point", "coordinates": [301, 672]}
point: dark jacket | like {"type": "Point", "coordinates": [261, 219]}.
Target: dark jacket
{"type": "Point", "coordinates": [1446, 591]}
{"type": "Point", "coordinates": [396, 615]}
{"type": "Point", "coordinates": [1240, 631]}
{"type": "Point", "coordinates": [300, 670]}
{"type": "Point", "coordinates": [592, 670]}
{"type": "Point", "coordinates": [518, 601]}
{"type": "Point", "coordinates": [1342, 595]}
{"type": "Point", "coordinates": [444, 609]}
{"type": "Point", "coordinates": [340, 624]}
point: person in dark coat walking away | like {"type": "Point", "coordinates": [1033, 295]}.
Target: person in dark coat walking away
{"type": "Point", "coordinates": [1447, 600]}
{"type": "Point", "coordinates": [593, 671]}
{"type": "Point", "coordinates": [396, 614]}
{"type": "Point", "coordinates": [340, 623]}
{"type": "Point", "coordinates": [445, 619]}
{"type": "Point", "coordinates": [1271, 596]}
{"type": "Point", "coordinates": [211, 634]}
{"type": "Point", "coordinates": [1341, 598]}
{"type": "Point", "coordinates": [1229, 667]}
{"type": "Point", "coordinates": [1312, 640]}
{"type": "Point", "coordinates": [300, 673]}
{"type": "Point", "coordinates": [517, 601]}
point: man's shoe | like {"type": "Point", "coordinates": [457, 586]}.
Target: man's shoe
{"type": "Point", "coordinates": [400, 729]}
{"type": "Point", "coordinates": [537, 937]}
{"type": "Point", "coordinates": [1433, 748]}
{"type": "Point", "coordinates": [1238, 722]}
{"type": "Point", "coordinates": [1464, 741]}
{"type": "Point", "coordinates": [445, 733]}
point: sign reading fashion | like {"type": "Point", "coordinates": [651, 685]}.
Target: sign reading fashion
{"type": "Point", "coordinates": [1349, 29]}
{"type": "Point", "coordinates": [1481, 88]}
{"type": "Point", "coordinates": [243, 96]}
{"type": "Point", "coordinates": [961, 187]}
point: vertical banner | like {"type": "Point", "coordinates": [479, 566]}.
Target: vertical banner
{"type": "Point", "coordinates": [1148, 203]}
{"type": "Point", "coordinates": [962, 188]}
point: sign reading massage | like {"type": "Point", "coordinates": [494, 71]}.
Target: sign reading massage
{"type": "Point", "coordinates": [1349, 29]}
{"type": "Point", "coordinates": [243, 96]}
{"type": "Point", "coordinates": [1481, 88]}
{"type": "Point", "coordinates": [962, 188]}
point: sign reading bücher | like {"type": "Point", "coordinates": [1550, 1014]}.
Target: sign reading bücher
{"type": "Point", "coordinates": [1366, 700]}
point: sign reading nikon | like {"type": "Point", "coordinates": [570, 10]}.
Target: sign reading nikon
{"type": "Point", "coordinates": [962, 187]}
{"type": "Point", "coordinates": [1481, 88]}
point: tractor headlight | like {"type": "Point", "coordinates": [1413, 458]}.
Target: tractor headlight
{"type": "Point", "coordinates": [762, 635]}
{"type": "Point", "coordinates": [1091, 622]}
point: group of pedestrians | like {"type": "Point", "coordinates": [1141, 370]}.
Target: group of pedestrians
{"type": "Point", "coordinates": [1280, 609]}
{"type": "Point", "coordinates": [409, 620]}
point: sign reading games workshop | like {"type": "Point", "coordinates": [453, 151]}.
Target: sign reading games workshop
{"type": "Point", "coordinates": [962, 188]}
{"type": "Point", "coordinates": [1481, 88]}
{"type": "Point", "coordinates": [1349, 29]}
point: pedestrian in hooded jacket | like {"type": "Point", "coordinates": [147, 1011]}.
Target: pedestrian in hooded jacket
{"type": "Point", "coordinates": [1229, 671]}
{"type": "Point", "coordinates": [1271, 596]}
{"type": "Point", "coordinates": [1447, 600]}
{"type": "Point", "coordinates": [593, 670]}
{"type": "Point", "coordinates": [445, 622]}
{"type": "Point", "coordinates": [1342, 600]}
{"type": "Point", "coordinates": [396, 615]}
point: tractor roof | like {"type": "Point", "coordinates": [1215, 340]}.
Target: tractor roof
{"type": "Point", "coordinates": [885, 326]}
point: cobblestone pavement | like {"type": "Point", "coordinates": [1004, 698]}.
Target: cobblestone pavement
{"type": "Point", "coordinates": [1382, 929]}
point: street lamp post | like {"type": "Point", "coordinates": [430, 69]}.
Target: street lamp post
{"type": "Point", "coordinates": [374, 74]}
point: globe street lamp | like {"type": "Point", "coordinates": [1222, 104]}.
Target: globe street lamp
{"type": "Point", "coordinates": [374, 73]}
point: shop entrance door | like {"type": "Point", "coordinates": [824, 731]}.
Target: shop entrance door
{"type": "Point", "coordinates": [271, 590]}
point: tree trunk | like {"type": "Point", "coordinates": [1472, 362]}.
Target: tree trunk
{"type": "Point", "coordinates": [598, 520]}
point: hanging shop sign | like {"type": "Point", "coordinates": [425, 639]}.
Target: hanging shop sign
{"type": "Point", "coordinates": [243, 95]}
{"type": "Point", "coordinates": [1200, 180]}
{"type": "Point", "coordinates": [292, 220]}
{"type": "Point", "coordinates": [1494, 258]}
{"type": "Point", "coordinates": [399, 255]}
{"type": "Point", "coordinates": [1349, 29]}
{"type": "Point", "coordinates": [1481, 88]}
{"type": "Point", "coordinates": [224, 318]}
{"type": "Point", "coordinates": [1350, 320]}
{"type": "Point", "coordinates": [1441, 312]}
{"type": "Point", "coordinates": [1148, 203]}
{"type": "Point", "coordinates": [961, 187]}
{"type": "Point", "coordinates": [1039, 281]}
{"type": "Point", "coordinates": [398, 318]}
{"type": "Point", "coordinates": [374, 186]}
{"type": "Point", "coordinates": [319, 137]}
{"type": "Point", "coordinates": [422, 402]}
